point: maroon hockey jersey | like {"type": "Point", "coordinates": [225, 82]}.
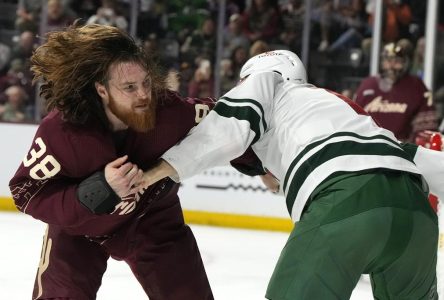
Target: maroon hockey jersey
{"type": "Point", "coordinates": [405, 109]}
{"type": "Point", "coordinates": [62, 155]}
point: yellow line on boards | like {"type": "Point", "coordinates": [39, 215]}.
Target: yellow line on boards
{"type": "Point", "coordinates": [210, 218]}
{"type": "Point", "coordinates": [238, 221]}
{"type": "Point", "coordinates": [7, 204]}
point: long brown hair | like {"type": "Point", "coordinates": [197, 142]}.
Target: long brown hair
{"type": "Point", "coordinates": [71, 61]}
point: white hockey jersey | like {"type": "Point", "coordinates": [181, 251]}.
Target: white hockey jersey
{"type": "Point", "coordinates": [301, 133]}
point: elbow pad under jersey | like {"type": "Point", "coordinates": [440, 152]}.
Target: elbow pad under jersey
{"type": "Point", "coordinates": [97, 195]}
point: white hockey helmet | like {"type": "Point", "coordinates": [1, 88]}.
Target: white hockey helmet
{"type": "Point", "coordinates": [283, 62]}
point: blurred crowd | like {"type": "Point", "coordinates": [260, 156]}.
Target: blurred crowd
{"type": "Point", "coordinates": [182, 35]}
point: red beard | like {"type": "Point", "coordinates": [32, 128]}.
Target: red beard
{"type": "Point", "coordinates": [139, 121]}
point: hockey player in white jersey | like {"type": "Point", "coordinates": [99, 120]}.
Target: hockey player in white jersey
{"type": "Point", "coordinates": [354, 192]}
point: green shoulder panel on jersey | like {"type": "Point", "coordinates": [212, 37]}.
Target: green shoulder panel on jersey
{"type": "Point", "coordinates": [243, 109]}
{"type": "Point", "coordinates": [359, 146]}
{"type": "Point", "coordinates": [411, 149]}
{"type": "Point", "coordinates": [339, 134]}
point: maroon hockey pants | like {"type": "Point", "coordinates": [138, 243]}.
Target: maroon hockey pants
{"type": "Point", "coordinates": [160, 250]}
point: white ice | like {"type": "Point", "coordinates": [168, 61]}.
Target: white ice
{"type": "Point", "coordinates": [238, 262]}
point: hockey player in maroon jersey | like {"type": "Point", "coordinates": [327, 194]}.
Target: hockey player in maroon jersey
{"type": "Point", "coordinates": [109, 115]}
{"type": "Point", "coordinates": [396, 100]}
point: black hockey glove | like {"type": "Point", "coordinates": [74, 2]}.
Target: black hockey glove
{"type": "Point", "coordinates": [97, 195]}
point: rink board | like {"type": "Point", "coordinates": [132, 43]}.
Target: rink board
{"type": "Point", "coordinates": [220, 196]}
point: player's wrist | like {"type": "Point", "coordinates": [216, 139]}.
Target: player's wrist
{"type": "Point", "coordinates": [165, 169]}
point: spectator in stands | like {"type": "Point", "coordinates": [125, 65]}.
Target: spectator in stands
{"type": "Point", "coordinates": [58, 17]}
{"type": "Point", "coordinates": [340, 23]}
{"type": "Point", "coordinates": [228, 77]}
{"type": "Point", "coordinates": [238, 59]}
{"type": "Point", "coordinates": [85, 8]}
{"type": "Point", "coordinates": [397, 100]}
{"type": "Point", "coordinates": [151, 46]}
{"type": "Point", "coordinates": [18, 74]}
{"type": "Point", "coordinates": [416, 26]}
{"type": "Point", "coordinates": [152, 18]}
{"type": "Point", "coordinates": [418, 58]}
{"type": "Point", "coordinates": [202, 84]}
{"type": "Point", "coordinates": [261, 21]}
{"type": "Point", "coordinates": [186, 74]}
{"type": "Point", "coordinates": [292, 14]}
{"type": "Point", "coordinates": [320, 15]}
{"type": "Point", "coordinates": [28, 15]}
{"type": "Point", "coordinates": [258, 47]}
{"type": "Point", "coordinates": [15, 110]}
{"type": "Point", "coordinates": [234, 36]}
{"type": "Point", "coordinates": [398, 16]}
{"type": "Point", "coordinates": [202, 43]}
{"type": "Point", "coordinates": [184, 17]}
{"type": "Point", "coordinates": [353, 26]}
{"type": "Point", "coordinates": [108, 14]}
{"type": "Point", "coordinates": [24, 47]}
{"type": "Point", "coordinates": [233, 7]}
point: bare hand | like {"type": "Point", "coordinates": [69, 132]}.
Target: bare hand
{"type": "Point", "coordinates": [124, 177]}
{"type": "Point", "coordinates": [270, 182]}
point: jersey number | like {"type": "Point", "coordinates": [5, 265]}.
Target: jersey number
{"type": "Point", "coordinates": [45, 167]}
{"type": "Point", "coordinates": [201, 112]}
{"type": "Point", "coordinates": [429, 96]}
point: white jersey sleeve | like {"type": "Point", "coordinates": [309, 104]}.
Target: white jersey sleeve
{"type": "Point", "coordinates": [431, 165]}
{"type": "Point", "coordinates": [238, 120]}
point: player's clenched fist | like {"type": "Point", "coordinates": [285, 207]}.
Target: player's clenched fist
{"type": "Point", "coordinates": [101, 191]}
{"type": "Point", "coordinates": [123, 177]}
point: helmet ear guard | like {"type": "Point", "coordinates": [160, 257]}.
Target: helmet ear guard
{"type": "Point", "coordinates": [284, 62]}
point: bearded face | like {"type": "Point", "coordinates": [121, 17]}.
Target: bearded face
{"type": "Point", "coordinates": [141, 116]}
{"type": "Point", "coordinates": [127, 97]}
{"type": "Point", "coordinates": [393, 68]}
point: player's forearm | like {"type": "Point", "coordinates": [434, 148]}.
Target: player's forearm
{"type": "Point", "coordinates": [53, 201]}
{"type": "Point", "coordinates": [214, 142]}
{"type": "Point", "coordinates": [193, 158]}
{"type": "Point", "coordinates": [161, 170]}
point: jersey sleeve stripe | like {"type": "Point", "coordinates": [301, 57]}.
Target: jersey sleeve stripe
{"type": "Point", "coordinates": [345, 135]}
{"type": "Point", "coordinates": [410, 149]}
{"type": "Point", "coordinates": [331, 151]}
{"type": "Point", "coordinates": [251, 102]}
{"type": "Point", "coordinates": [245, 113]}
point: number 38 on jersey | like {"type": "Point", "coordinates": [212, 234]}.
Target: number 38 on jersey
{"type": "Point", "coordinates": [42, 165]}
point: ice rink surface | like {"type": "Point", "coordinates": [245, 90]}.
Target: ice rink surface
{"type": "Point", "coordinates": [238, 262]}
